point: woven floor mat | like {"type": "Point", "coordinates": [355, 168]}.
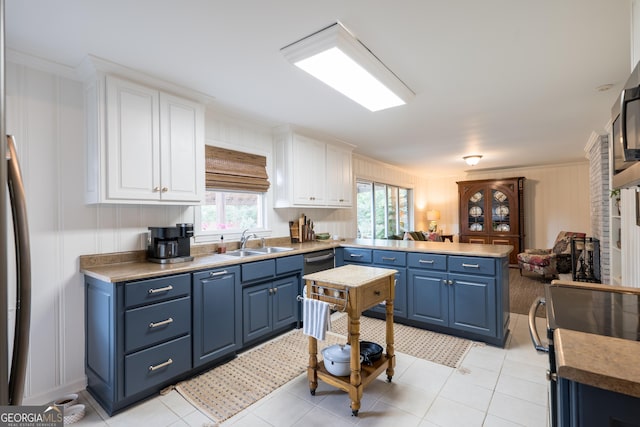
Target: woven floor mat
{"type": "Point", "coordinates": [439, 348]}
{"type": "Point", "coordinates": [229, 388]}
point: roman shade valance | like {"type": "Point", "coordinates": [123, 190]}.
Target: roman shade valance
{"type": "Point", "coordinates": [235, 170]}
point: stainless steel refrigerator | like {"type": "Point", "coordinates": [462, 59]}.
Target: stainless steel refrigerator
{"type": "Point", "coordinates": [12, 367]}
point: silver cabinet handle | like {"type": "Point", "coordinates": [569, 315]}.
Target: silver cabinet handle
{"type": "Point", "coordinates": [471, 265]}
{"type": "Point", "coordinates": [426, 261]}
{"type": "Point", "coordinates": [217, 273]}
{"type": "Point", "coordinates": [356, 255]}
{"type": "Point", "coordinates": [447, 282]}
{"type": "Point", "coordinates": [156, 189]}
{"type": "Point", "coordinates": [384, 258]}
{"type": "Point", "coordinates": [161, 365]}
{"type": "Point", "coordinates": [158, 290]}
{"type": "Point", "coordinates": [158, 324]}
{"type": "Point", "coordinates": [165, 189]}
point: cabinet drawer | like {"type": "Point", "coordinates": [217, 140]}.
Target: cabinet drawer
{"type": "Point", "coordinates": [289, 264]}
{"type": "Point", "coordinates": [375, 294]}
{"type": "Point", "coordinates": [427, 261]}
{"type": "Point", "coordinates": [473, 265]}
{"type": "Point", "coordinates": [258, 270]}
{"type": "Point", "coordinates": [155, 290]}
{"type": "Point", "coordinates": [145, 326]}
{"type": "Point", "coordinates": [155, 365]}
{"type": "Point", "coordinates": [357, 255]}
{"type": "Point", "coordinates": [390, 258]}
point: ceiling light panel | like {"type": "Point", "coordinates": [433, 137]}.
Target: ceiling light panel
{"type": "Point", "coordinates": [335, 57]}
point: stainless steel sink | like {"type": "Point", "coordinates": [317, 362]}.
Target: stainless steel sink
{"type": "Point", "coordinates": [244, 252]}
{"type": "Point", "coordinates": [271, 250]}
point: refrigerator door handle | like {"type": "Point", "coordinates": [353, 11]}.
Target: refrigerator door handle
{"type": "Point", "coordinates": [23, 271]}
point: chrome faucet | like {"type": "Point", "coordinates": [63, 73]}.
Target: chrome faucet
{"type": "Point", "coordinates": [244, 238]}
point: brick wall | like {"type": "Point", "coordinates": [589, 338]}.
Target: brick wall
{"type": "Point", "coordinates": [598, 154]}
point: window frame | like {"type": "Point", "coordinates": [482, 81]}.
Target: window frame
{"type": "Point", "coordinates": [398, 207]}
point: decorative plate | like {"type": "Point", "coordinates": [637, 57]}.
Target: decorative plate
{"type": "Point", "coordinates": [476, 197]}
{"type": "Point", "coordinates": [499, 196]}
{"type": "Point", "coordinates": [503, 227]}
{"type": "Point", "coordinates": [501, 211]}
{"type": "Point", "coordinates": [476, 227]}
{"type": "Point", "coordinates": [475, 211]}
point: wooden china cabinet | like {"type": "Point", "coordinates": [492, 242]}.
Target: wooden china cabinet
{"type": "Point", "coordinates": [492, 212]}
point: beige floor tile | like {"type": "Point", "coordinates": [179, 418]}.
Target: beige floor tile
{"type": "Point", "coordinates": [385, 415]}
{"type": "Point", "coordinates": [459, 389]}
{"type": "Point", "coordinates": [151, 412]}
{"type": "Point", "coordinates": [409, 399]}
{"type": "Point", "coordinates": [425, 375]}
{"type": "Point", "coordinates": [447, 413]}
{"type": "Point", "coordinates": [282, 409]}
{"type": "Point", "coordinates": [319, 417]}
{"type": "Point", "coordinates": [534, 373]}
{"type": "Point", "coordinates": [522, 389]}
{"type": "Point", "coordinates": [518, 410]}
{"type": "Point", "coordinates": [493, 421]}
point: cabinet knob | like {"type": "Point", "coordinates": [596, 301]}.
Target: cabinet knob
{"type": "Point", "coordinates": [165, 189]}
{"type": "Point", "coordinates": [156, 189]}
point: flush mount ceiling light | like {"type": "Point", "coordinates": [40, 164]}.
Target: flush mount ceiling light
{"type": "Point", "coordinates": [473, 159]}
{"type": "Point", "coordinates": [334, 56]}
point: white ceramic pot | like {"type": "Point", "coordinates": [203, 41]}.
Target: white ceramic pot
{"type": "Point", "coordinates": [337, 359]}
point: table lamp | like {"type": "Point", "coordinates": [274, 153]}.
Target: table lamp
{"type": "Point", "coordinates": [433, 216]}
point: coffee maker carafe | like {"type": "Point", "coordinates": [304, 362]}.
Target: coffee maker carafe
{"type": "Point", "coordinates": [170, 244]}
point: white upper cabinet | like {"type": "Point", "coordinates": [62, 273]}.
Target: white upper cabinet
{"type": "Point", "coordinates": [145, 146]}
{"type": "Point", "coordinates": [339, 176]}
{"type": "Point", "coordinates": [310, 172]}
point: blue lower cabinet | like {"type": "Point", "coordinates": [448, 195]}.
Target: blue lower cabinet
{"type": "Point", "coordinates": [138, 338]}
{"type": "Point", "coordinates": [269, 307]}
{"type": "Point", "coordinates": [147, 368]}
{"type": "Point", "coordinates": [582, 405]}
{"type": "Point", "coordinates": [472, 304]}
{"type": "Point", "coordinates": [217, 315]}
{"type": "Point", "coordinates": [428, 297]}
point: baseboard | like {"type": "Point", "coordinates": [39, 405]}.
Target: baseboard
{"type": "Point", "coordinates": [53, 394]}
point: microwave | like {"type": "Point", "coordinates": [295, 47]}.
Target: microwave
{"type": "Point", "coordinates": [625, 117]}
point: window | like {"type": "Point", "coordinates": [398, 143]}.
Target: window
{"type": "Point", "coordinates": [382, 210]}
{"type": "Point", "coordinates": [231, 211]}
{"type": "Point", "coordinates": [234, 200]}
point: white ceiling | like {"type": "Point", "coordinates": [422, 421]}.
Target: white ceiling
{"type": "Point", "coordinates": [513, 80]}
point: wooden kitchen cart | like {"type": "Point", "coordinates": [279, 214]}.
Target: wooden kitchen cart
{"type": "Point", "coordinates": [353, 289]}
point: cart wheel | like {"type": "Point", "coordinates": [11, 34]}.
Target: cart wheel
{"type": "Point", "coordinates": [389, 379]}
{"type": "Point", "coordinates": [354, 413]}
{"type": "Point", "coordinates": [313, 392]}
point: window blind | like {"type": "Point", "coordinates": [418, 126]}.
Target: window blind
{"type": "Point", "coordinates": [235, 170]}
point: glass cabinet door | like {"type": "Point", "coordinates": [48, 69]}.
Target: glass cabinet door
{"type": "Point", "coordinates": [500, 215]}
{"type": "Point", "coordinates": [476, 212]}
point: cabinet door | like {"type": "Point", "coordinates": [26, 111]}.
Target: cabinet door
{"type": "Point", "coordinates": [133, 141]}
{"type": "Point", "coordinates": [339, 177]}
{"type": "Point", "coordinates": [256, 311]}
{"type": "Point", "coordinates": [472, 303]}
{"type": "Point", "coordinates": [182, 149]}
{"type": "Point", "coordinates": [309, 171]}
{"type": "Point", "coordinates": [216, 314]}
{"type": "Point", "coordinates": [428, 297]}
{"type": "Point", "coordinates": [285, 304]}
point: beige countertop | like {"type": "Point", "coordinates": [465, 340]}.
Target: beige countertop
{"type": "Point", "coordinates": [604, 362]}
{"type": "Point", "coordinates": [350, 275]}
{"type": "Point", "coordinates": [447, 248]}
{"type": "Point", "coordinates": [125, 266]}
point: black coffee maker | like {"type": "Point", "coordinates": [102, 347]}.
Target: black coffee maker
{"type": "Point", "coordinates": [170, 244]}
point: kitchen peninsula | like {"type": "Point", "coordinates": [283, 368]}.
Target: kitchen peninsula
{"type": "Point", "coordinates": [149, 325]}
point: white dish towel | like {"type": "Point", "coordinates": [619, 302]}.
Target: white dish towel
{"type": "Point", "coordinates": [316, 318]}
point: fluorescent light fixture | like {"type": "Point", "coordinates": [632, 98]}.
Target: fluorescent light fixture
{"type": "Point", "coordinates": [339, 60]}
{"type": "Point", "coordinates": [473, 159]}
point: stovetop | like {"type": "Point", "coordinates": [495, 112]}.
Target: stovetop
{"type": "Point", "coordinates": [597, 312]}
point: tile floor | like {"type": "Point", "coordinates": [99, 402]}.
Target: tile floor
{"type": "Point", "coordinates": [492, 387]}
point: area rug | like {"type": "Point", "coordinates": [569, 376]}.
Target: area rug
{"type": "Point", "coordinates": [229, 388]}
{"type": "Point", "coordinates": [524, 290]}
{"type": "Point", "coordinates": [439, 348]}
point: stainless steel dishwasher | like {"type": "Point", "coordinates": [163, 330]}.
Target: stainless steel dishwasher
{"type": "Point", "coordinates": [314, 262]}
{"type": "Point", "coordinates": [319, 261]}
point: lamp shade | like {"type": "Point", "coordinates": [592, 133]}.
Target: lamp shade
{"type": "Point", "coordinates": [433, 215]}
